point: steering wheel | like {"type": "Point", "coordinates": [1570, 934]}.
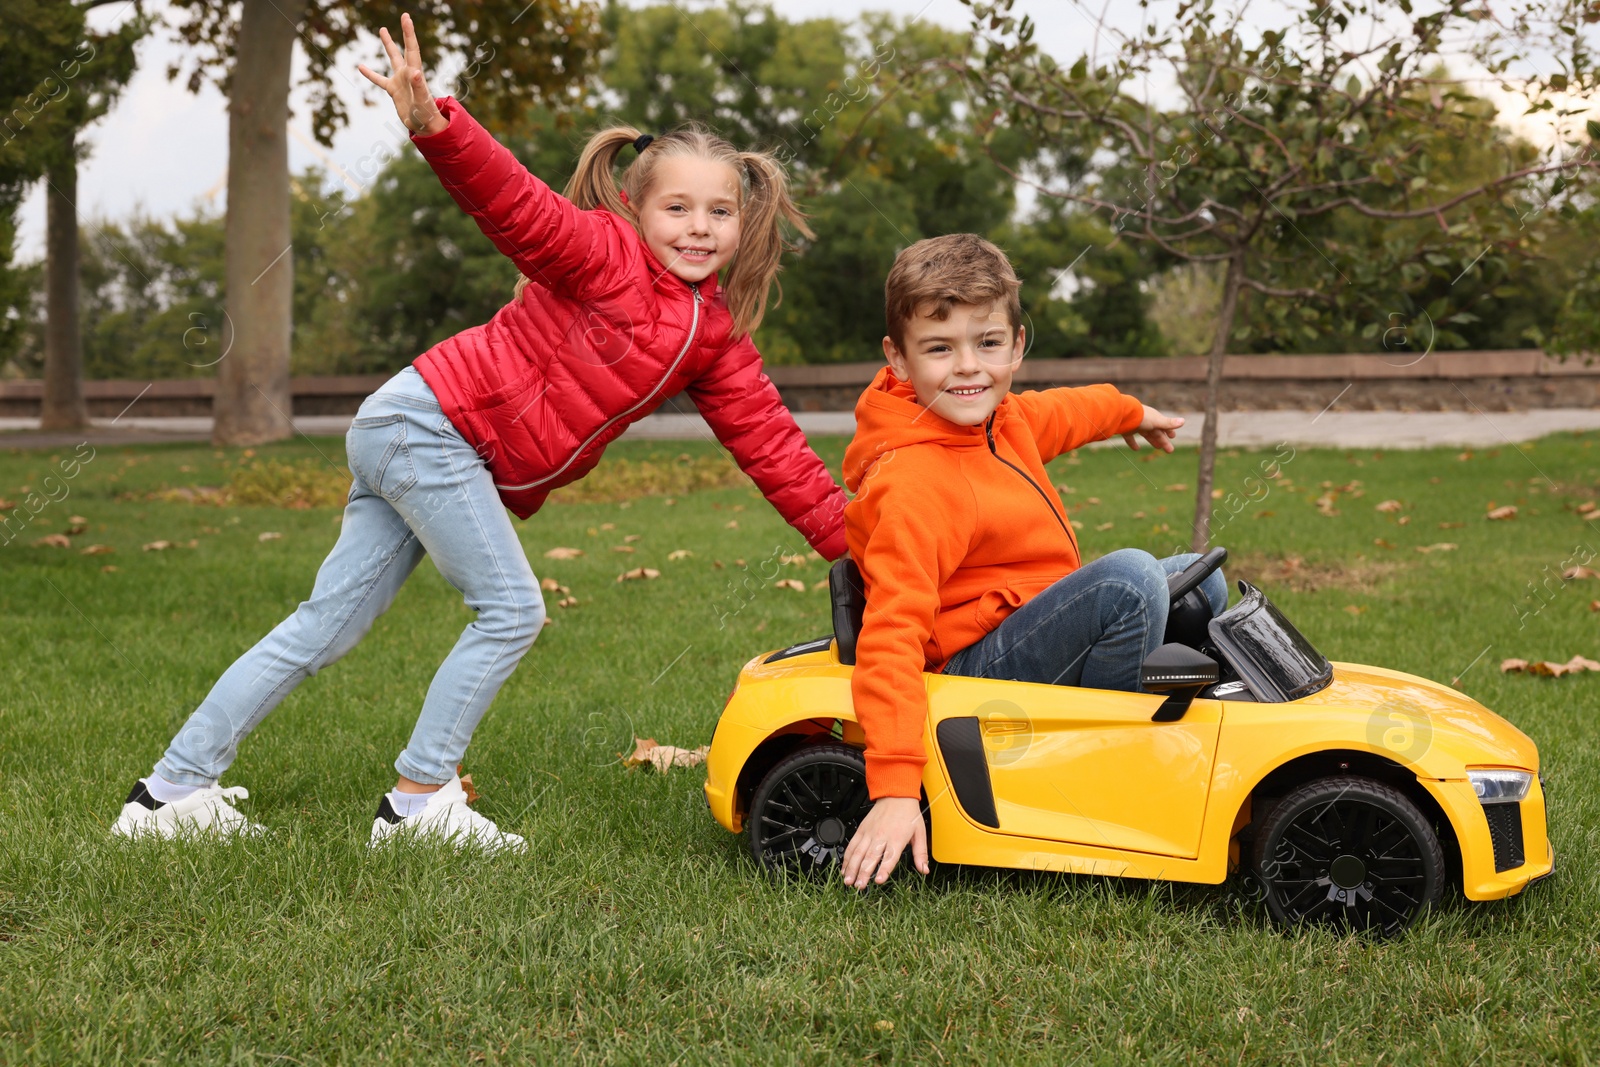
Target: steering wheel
{"type": "Point", "coordinates": [1181, 584]}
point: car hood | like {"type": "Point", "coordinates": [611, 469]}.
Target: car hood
{"type": "Point", "coordinates": [1416, 717]}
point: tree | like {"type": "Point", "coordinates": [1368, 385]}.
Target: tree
{"type": "Point", "coordinates": [60, 77]}
{"type": "Point", "coordinates": [1274, 140]}
{"type": "Point", "coordinates": [516, 52]}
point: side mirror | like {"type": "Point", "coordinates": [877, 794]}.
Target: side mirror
{"type": "Point", "coordinates": [1180, 672]}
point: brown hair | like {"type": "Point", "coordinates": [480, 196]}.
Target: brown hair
{"type": "Point", "coordinates": [934, 275]}
{"type": "Point", "coordinates": [764, 205]}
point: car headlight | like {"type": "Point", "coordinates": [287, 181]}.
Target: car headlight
{"type": "Point", "coordinates": [1500, 786]}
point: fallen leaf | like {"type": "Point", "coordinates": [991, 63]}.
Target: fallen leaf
{"type": "Point", "coordinates": [884, 1025]}
{"type": "Point", "coordinates": [467, 786]}
{"type": "Point", "coordinates": [679, 553]}
{"type": "Point", "coordinates": [108, 568]}
{"type": "Point", "coordinates": [1104, 526]}
{"type": "Point", "coordinates": [823, 584]}
{"type": "Point", "coordinates": [7, 505]}
{"type": "Point", "coordinates": [638, 573]}
{"type": "Point", "coordinates": [1389, 505]}
{"type": "Point", "coordinates": [718, 564]}
{"type": "Point", "coordinates": [1065, 489]}
{"type": "Point", "coordinates": [1178, 487]}
{"type": "Point", "coordinates": [1441, 546]}
{"type": "Point", "coordinates": [157, 546]}
{"type": "Point", "coordinates": [646, 753]}
{"type": "Point", "coordinates": [53, 541]}
{"type": "Point", "coordinates": [1451, 525]}
{"type": "Point", "coordinates": [96, 550]}
{"type": "Point", "coordinates": [796, 559]}
{"type": "Point", "coordinates": [1403, 520]}
{"type": "Point", "coordinates": [1548, 668]}
{"type": "Point", "coordinates": [669, 501]}
{"type": "Point", "coordinates": [631, 538]}
{"type": "Point", "coordinates": [1092, 500]}
{"type": "Point", "coordinates": [1382, 543]}
{"type": "Point", "coordinates": [1354, 609]}
{"type": "Point", "coordinates": [1325, 504]}
{"type": "Point", "coordinates": [76, 525]}
{"type": "Point", "coordinates": [1265, 514]}
{"type": "Point", "coordinates": [1508, 511]}
{"type": "Point", "coordinates": [623, 548]}
{"type": "Point", "coordinates": [1138, 514]}
{"type": "Point", "coordinates": [567, 602]}
{"type": "Point", "coordinates": [790, 583]}
{"type": "Point", "coordinates": [1463, 456]}
{"type": "Point", "coordinates": [608, 526]}
{"type": "Point", "coordinates": [738, 563]}
{"type": "Point", "coordinates": [549, 585]}
{"type": "Point", "coordinates": [1594, 605]}
{"type": "Point", "coordinates": [731, 524]}
{"type": "Point", "coordinates": [269, 535]}
{"type": "Point", "coordinates": [1572, 574]}
{"type": "Point", "coordinates": [563, 553]}
{"type": "Point", "coordinates": [1216, 494]}
{"type": "Point", "coordinates": [1076, 525]}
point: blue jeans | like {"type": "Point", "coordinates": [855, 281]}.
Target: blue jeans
{"type": "Point", "coordinates": [1092, 628]}
{"type": "Point", "coordinates": [419, 488]}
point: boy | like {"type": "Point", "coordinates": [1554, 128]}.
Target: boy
{"type": "Point", "coordinates": [969, 562]}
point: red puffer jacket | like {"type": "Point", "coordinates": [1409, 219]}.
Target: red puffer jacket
{"type": "Point", "coordinates": [600, 338]}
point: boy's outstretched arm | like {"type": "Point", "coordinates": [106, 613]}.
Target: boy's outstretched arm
{"type": "Point", "coordinates": [577, 253]}
{"type": "Point", "coordinates": [1072, 416]}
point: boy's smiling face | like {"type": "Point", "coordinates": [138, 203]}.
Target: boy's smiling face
{"type": "Point", "coordinates": [961, 367]}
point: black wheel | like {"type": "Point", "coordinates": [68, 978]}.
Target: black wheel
{"type": "Point", "coordinates": [807, 808]}
{"type": "Point", "coordinates": [1349, 852]}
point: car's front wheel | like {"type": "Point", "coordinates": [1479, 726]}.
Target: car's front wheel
{"type": "Point", "coordinates": [1349, 852]}
{"type": "Point", "coordinates": [807, 808]}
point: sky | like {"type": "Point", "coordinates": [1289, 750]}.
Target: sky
{"type": "Point", "coordinates": [163, 151]}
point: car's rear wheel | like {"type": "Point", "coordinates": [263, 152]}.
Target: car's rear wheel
{"type": "Point", "coordinates": [807, 808]}
{"type": "Point", "coordinates": [1351, 853]}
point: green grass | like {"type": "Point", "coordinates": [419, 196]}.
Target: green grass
{"type": "Point", "coordinates": [637, 930]}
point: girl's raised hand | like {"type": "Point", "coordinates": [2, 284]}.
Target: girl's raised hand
{"type": "Point", "coordinates": [405, 85]}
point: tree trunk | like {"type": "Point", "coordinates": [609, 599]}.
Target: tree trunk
{"type": "Point", "coordinates": [252, 401]}
{"type": "Point", "coordinates": [1232, 282]}
{"type": "Point", "coordinates": [64, 407]}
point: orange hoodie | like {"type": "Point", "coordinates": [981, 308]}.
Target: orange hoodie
{"type": "Point", "coordinates": [954, 528]}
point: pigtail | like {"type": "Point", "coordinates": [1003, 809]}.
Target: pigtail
{"type": "Point", "coordinates": [593, 184]}
{"type": "Point", "coordinates": [762, 242]}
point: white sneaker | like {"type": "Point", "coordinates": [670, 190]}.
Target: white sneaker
{"type": "Point", "coordinates": [205, 811]}
{"type": "Point", "coordinates": [445, 818]}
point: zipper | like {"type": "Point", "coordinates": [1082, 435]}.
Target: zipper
{"type": "Point", "coordinates": [694, 325]}
{"type": "Point", "coordinates": [988, 432]}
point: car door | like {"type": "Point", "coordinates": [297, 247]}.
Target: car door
{"type": "Point", "coordinates": [1079, 765]}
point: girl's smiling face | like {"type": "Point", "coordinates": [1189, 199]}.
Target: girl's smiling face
{"type": "Point", "coordinates": [690, 216]}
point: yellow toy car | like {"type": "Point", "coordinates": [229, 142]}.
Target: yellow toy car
{"type": "Point", "coordinates": [1354, 794]}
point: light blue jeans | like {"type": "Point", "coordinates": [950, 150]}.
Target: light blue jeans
{"type": "Point", "coordinates": [419, 488]}
{"type": "Point", "coordinates": [1092, 628]}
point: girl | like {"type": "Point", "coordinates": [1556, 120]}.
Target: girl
{"type": "Point", "coordinates": [619, 308]}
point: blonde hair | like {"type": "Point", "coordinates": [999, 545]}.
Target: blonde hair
{"type": "Point", "coordinates": [764, 205]}
{"type": "Point", "coordinates": [940, 272]}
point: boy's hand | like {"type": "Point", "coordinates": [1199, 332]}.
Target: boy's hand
{"type": "Point", "coordinates": [406, 86]}
{"type": "Point", "coordinates": [1156, 428]}
{"type": "Point", "coordinates": [893, 823]}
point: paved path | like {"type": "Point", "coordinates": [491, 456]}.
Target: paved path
{"type": "Point", "coordinates": [1333, 429]}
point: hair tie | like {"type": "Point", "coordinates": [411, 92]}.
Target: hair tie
{"type": "Point", "coordinates": [641, 142]}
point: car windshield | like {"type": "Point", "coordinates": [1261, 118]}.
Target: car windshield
{"type": "Point", "coordinates": [1267, 651]}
